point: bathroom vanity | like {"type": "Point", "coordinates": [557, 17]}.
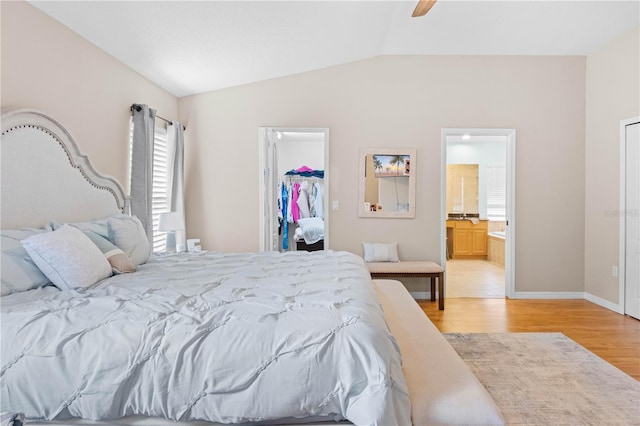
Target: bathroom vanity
{"type": "Point", "coordinates": [467, 238]}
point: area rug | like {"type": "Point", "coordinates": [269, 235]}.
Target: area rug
{"type": "Point", "coordinates": [548, 379]}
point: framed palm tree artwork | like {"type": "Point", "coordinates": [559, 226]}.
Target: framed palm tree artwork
{"type": "Point", "coordinates": [387, 183]}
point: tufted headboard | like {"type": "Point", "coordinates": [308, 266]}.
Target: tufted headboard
{"type": "Point", "coordinates": [44, 177]}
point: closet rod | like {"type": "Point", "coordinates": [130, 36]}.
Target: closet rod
{"type": "Point", "coordinates": [138, 108]}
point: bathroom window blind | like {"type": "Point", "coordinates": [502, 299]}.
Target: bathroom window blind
{"type": "Point", "coordinates": [496, 191]}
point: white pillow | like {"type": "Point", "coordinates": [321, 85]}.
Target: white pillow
{"type": "Point", "coordinates": [128, 234]}
{"type": "Point", "coordinates": [380, 252]}
{"type": "Point", "coordinates": [18, 271]}
{"type": "Point", "coordinates": [68, 258]}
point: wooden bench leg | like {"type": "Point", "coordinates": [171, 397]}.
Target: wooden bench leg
{"type": "Point", "coordinates": [441, 291]}
{"type": "Point", "coordinates": [433, 287]}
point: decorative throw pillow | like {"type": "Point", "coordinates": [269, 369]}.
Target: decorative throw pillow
{"type": "Point", "coordinates": [380, 252]}
{"type": "Point", "coordinates": [128, 234]}
{"type": "Point", "coordinates": [119, 261]}
{"type": "Point", "coordinates": [68, 258]}
{"type": "Point", "coordinates": [19, 273]}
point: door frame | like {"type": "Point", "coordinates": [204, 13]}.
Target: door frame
{"type": "Point", "coordinates": [265, 157]}
{"type": "Point", "coordinates": [623, 211]}
{"type": "Point", "coordinates": [510, 229]}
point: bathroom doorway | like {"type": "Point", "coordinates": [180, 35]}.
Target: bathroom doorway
{"type": "Point", "coordinates": [478, 210]}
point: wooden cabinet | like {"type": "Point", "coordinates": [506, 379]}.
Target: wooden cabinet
{"type": "Point", "coordinates": [469, 240]}
{"type": "Point", "coordinates": [462, 242]}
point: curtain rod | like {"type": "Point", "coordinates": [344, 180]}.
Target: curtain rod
{"type": "Point", "coordinates": [138, 108]}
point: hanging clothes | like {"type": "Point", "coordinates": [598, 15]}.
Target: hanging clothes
{"type": "Point", "coordinates": [280, 218]}
{"type": "Point", "coordinates": [312, 200]}
{"type": "Point", "coordinates": [285, 234]}
{"type": "Point", "coordinates": [281, 215]}
{"type": "Point", "coordinates": [295, 210]}
{"type": "Point", "coordinates": [299, 197]}
{"type": "Point", "coordinates": [318, 201]}
{"type": "Point", "coordinates": [303, 200]}
{"type": "Point", "coordinates": [289, 215]}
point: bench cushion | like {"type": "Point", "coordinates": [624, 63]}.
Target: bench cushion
{"type": "Point", "coordinates": [405, 267]}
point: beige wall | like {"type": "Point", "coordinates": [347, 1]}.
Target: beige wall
{"type": "Point", "coordinates": [403, 101]}
{"type": "Point", "coordinates": [613, 94]}
{"type": "Point", "coordinates": [398, 101]}
{"type": "Point", "coordinates": [48, 67]}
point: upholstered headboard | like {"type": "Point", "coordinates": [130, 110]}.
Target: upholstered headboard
{"type": "Point", "coordinates": [44, 176]}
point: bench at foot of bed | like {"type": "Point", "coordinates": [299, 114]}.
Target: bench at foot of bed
{"type": "Point", "coordinates": [417, 268]}
{"type": "Point", "coordinates": [442, 388]}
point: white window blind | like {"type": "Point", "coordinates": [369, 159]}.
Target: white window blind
{"type": "Point", "coordinates": [496, 191]}
{"type": "Point", "coordinates": [159, 202]}
{"type": "Point", "coordinates": [159, 193]}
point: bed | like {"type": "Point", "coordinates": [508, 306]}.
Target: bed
{"type": "Point", "coordinates": [214, 338]}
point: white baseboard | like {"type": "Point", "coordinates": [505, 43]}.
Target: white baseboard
{"type": "Point", "coordinates": [548, 295]}
{"type": "Point", "coordinates": [615, 307]}
{"type": "Point", "coordinates": [421, 295]}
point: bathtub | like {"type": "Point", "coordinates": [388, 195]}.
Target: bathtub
{"type": "Point", "coordinates": [495, 247]}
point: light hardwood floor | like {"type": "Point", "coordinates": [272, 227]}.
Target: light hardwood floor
{"type": "Point", "coordinates": [474, 278]}
{"type": "Point", "coordinates": [611, 336]}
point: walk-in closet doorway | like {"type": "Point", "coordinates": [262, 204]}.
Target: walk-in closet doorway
{"type": "Point", "coordinates": [292, 157]}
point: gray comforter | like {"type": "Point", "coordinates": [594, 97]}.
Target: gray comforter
{"type": "Point", "coordinates": [226, 338]}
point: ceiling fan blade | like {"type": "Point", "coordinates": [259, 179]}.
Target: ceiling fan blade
{"type": "Point", "coordinates": [423, 7]}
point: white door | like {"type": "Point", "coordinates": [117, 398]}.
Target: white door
{"type": "Point", "coordinates": [632, 220]}
{"type": "Point", "coordinates": [268, 184]}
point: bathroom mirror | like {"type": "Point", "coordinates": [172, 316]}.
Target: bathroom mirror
{"type": "Point", "coordinates": [462, 188]}
{"type": "Point", "coordinates": [387, 183]}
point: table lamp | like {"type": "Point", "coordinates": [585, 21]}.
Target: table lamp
{"type": "Point", "coordinates": [170, 222]}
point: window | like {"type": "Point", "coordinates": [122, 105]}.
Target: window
{"type": "Point", "coordinates": [160, 189]}
{"type": "Point", "coordinates": [496, 191]}
{"type": "Point", "coordinates": [159, 195]}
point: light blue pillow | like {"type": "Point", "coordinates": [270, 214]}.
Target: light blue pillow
{"type": "Point", "coordinates": [19, 273]}
{"type": "Point", "coordinates": [68, 258]}
{"type": "Point", "coordinates": [129, 235]}
{"type": "Point", "coordinates": [99, 226]}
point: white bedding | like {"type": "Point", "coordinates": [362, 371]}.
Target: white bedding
{"type": "Point", "coordinates": [247, 337]}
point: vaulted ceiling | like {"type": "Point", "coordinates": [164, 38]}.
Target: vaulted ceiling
{"type": "Point", "coordinates": [190, 47]}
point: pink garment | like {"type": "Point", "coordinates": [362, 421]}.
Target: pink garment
{"type": "Point", "coordinates": [295, 210]}
{"type": "Point", "coordinates": [304, 169]}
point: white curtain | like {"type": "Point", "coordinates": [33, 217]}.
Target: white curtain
{"type": "Point", "coordinates": [144, 119]}
{"type": "Point", "coordinates": [175, 175]}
